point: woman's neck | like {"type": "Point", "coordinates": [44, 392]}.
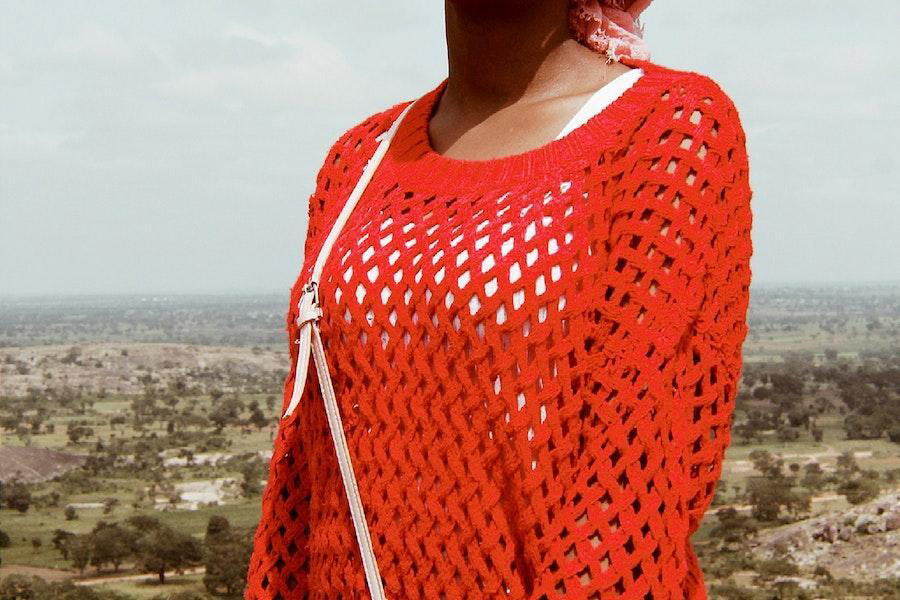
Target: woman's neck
{"type": "Point", "coordinates": [505, 51]}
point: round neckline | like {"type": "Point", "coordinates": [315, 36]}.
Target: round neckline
{"type": "Point", "coordinates": [412, 157]}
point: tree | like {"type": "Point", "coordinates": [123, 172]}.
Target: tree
{"type": "Point", "coordinates": [112, 544]}
{"type": "Point", "coordinates": [163, 549]}
{"type": "Point", "coordinates": [225, 411]}
{"type": "Point", "coordinates": [170, 400]}
{"type": "Point", "coordinates": [22, 587]}
{"type": "Point", "coordinates": [786, 434]}
{"type": "Point", "coordinates": [36, 422]}
{"type": "Point", "coordinates": [60, 541]}
{"type": "Point", "coordinates": [846, 464]}
{"type": "Point", "coordinates": [17, 496]}
{"type": "Point", "coordinates": [798, 417]}
{"type": "Point", "coordinates": [787, 383]}
{"type": "Point", "coordinates": [77, 432]}
{"type": "Point", "coordinates": [864, 427]}
{"type": "Point", "coordinates": [772, 491]}
{"type": "Point", "coordinates": [216, 526]}
{"type": "Point", "coordinates": [227, 559]}
{"type": "Point", "coordinates": [766, 463]}
{"type": "Point", "coordinates": [182, 595]}
{"type": "Point", "coordinates": [109, 504]}
{"type": "Point", "coordinates": [251, 475]}
{"type": "Point", "coordinates": [143, 523]}
{"type": "Point", "coordinates": [80, 548]}
{"type": "Point", "coordinates": [816, 433]}
{"type": "Point", "coordinates": [748, 430]}
{"type": "Point", "coordinates": [894, 433]}
{"type": "Point", "coordinates": [857, 393]}
{"type": "Point", "coordinates": [859, 490]}
{"type": "Point", "coordinates": [257, 418]}
{"type": "Point", "coordinates": [814, 477]}
{"type": "Point", "coordinates": [767, 497]}
{"type": "Point", "coordinates": [732, 526]}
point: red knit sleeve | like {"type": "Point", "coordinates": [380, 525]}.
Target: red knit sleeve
{"type": "Point", "coordinates": [278, 565]}
{"type": "Point", "coordinates": [279, 560]}
{"type": "Point", "coordinates": [709, 370]}
{"type": "Point", "coordinates": [678, 276]}
{"type": "Point", "coordinates": [662, 349]}
{"type": "Point", "coordinates": [342, 168]}
{"type": "Point", "coordinates": [332, 182]}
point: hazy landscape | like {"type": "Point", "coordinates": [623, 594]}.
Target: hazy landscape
{"type": "Point", "coordinates": [136, 431]}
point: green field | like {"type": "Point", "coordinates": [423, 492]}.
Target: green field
{"type": "Point", "coordinates": [819, 390]}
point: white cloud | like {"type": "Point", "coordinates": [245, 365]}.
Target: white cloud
{"type": "Point", "coordinates": [250, 34]}
{"type": "Point", "coordinates": [7, 67]}
{"type": "Point", "coordinates": [125, 125]}
{"type": "Point", "coordinates": [276, 77]}
{"type": "Point", "coordinates": [31, 145]}
{"type": "Point", "coordinates": [97, 45]}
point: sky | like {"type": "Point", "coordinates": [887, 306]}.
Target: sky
{"type": "Point", "coordinates": [171, 147]}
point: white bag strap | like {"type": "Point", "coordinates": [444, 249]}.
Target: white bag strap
{"type": "Point", "coordinates": [308, 307]}
{"type": "Point", "coordinates": [310, 341]}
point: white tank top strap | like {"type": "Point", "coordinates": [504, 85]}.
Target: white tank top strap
{"type": "Point", "coordinates": [602, 98]}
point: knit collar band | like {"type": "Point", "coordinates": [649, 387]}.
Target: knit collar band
{"type": "Point", "coordinates": [412, 158]}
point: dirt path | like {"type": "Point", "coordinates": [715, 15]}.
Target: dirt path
{"type": "Point", "coordinates": [747, 507]}
{"type": "Point", "coordinates": [138, 577]}
{"type": "Point", "coordinates": [44, 573]}
{"type": "Point", "coordinates": [59, 575]}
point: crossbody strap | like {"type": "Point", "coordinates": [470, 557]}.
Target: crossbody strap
{"type": "Point", "coordinates": [310, 342]}
{"type": "Point", "coordinates": [309, 309]}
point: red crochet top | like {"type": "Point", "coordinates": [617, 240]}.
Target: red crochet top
{"type": "Point", "coordinates": [536, 358]}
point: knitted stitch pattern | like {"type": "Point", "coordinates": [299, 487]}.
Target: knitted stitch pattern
{"type": "Point", "coordinates": [536, 358]}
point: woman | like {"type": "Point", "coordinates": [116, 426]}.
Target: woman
{"type": "Point", "coordinates": [533, 326]}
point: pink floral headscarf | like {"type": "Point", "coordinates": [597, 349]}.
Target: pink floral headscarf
{"type": "Point", "coordinates": [611, 27]}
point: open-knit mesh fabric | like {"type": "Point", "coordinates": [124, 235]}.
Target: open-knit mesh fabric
{"type": "Point", "coordinates": [536, 359]}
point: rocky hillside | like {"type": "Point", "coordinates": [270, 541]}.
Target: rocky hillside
{"type": "Point", "coordinates": [126, 368]}
{"type": "Point", "coordinates": [858, 543]}
{"type": "Point", "coordinates": [32, 465]}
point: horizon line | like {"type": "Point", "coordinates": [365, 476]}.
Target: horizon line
{"type": "Point", "coordinates": [286, 290]}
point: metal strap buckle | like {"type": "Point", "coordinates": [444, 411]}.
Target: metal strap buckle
{"type": "Point", "coordinates": [309, 308]}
